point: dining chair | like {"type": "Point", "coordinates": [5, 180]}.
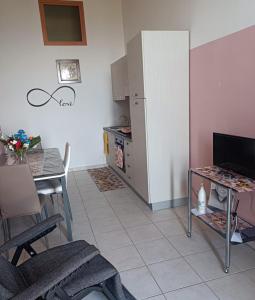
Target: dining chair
{"type": "Point", "coordinates": [53, 186]}
{"type": "Point", "coordinates": [18, 196]}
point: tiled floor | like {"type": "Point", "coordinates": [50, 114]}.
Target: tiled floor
{"type": "Point", "coordinates": [155, 258]}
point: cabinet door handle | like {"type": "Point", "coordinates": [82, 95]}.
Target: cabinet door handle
{"type": "Point", "coordinates": [136, 95]}
{"type": "Point", "coordinates": [128, 166]}
{"type": "Point", "coordinates": [136, 102]}
{"type": "Point", "coordinates": [128, 154]}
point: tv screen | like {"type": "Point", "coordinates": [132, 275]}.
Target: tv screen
{"type": "Point", "coordinates": [234, 153]}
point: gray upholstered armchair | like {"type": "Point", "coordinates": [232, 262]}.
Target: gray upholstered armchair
{"type": "Point", "coordinates": [69, 271]}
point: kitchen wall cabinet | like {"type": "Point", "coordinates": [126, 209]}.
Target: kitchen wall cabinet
{"type": "Point", "coordinates": [119, 73]}
{"type": "Point", "coordinates": [158, 75]}
{"type": "Point", "coordinates": [135, 68]}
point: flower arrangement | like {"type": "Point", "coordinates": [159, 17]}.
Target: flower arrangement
{"type": "Point", "coordinates": [19, 142]}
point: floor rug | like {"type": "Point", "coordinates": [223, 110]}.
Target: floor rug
{"type": "Point", "coordinates": [106, 179]}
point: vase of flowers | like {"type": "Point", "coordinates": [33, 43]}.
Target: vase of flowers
{"type": "Point", "coordinates": [19, 143]}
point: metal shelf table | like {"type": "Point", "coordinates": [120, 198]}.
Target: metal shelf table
{"type": "Point", "coordinates": [234, 183]}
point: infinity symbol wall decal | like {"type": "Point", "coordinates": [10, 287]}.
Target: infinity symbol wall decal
{"type": "Point", "coordinates": [54, 96]}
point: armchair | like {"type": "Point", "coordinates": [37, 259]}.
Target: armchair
{"type": "Point", "coordinates": [68, 272]}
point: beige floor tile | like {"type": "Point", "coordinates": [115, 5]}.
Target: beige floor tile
{"type": "Point", "coordinates": [192, 245]}
{"type": "Point", "coordinates": [106, 225]}
{"type": "Point", "coordinates": [126, 209]}
{"type": "Point", "coordinates": [209, 264]}
{"type": "Point", "coordinates": [156, 251]}
{"type": "Point", "coordinates": [243, 257]}
{"type": "Point", "coordinates": [140, 283]}
{"type": "Point", "coordinates": [87, 236]}
{"type": "Point", "coordinates": [121, 201]}
{"type": "Point", "coordinates": [144, 233]}
{"type": "Point", "coordinates": [234, 287]}
{"type": "Point", "coordinates": [161, 215]}
{"type": "Point", "coordinates": [101, 213]}
{"type": "Point", "coordinates": [133, 220]}
{"type": "Point", "coordinates": [250, 274]}
{"type": "Point", "coordinates": [173, 274]}
{"type": "Point", "coordinates": [96, 203]}
{"type": "Point", "coordinates": [171, 227]}
{"type": "Point", "coordinates": [181, 211]}
{"type": "Point", "coordinates": [112, 240]}
{"type": "Point", "coordinates": [196, 292]}
{"type": "Point", "coordinates": [124, 258]}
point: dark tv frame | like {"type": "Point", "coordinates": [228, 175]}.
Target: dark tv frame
{"type": "Point", "coordinates": [249, 172]}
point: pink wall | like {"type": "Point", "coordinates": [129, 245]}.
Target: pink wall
{"type": "Point", "coordinates": [222, 95]}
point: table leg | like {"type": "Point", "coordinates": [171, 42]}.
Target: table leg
{"type": "Point", "coordinates": [228, 232]}
{"type": "Point", "coordinates": [189, 203]}
{"type": "Point", "coordinates": [66, 209]}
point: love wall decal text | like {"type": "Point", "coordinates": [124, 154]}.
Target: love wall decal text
{"type": "Point", "coordinates": [64, 96]}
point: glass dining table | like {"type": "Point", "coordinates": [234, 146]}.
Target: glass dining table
{"type": "Point", "coordinates": [45, 164]}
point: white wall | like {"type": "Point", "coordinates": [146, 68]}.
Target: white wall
{"type": "Point", "coordinates": [206, 19]}
{"type": "Point", "coordinates": [26, 63]}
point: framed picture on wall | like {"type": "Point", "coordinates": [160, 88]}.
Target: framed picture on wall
{"type": "Point", "coordinates": [68, 71]}
{"type": "Point", "coordinates": [62, 22]}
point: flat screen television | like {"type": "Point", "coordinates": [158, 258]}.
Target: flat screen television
{"type": "Point", "coordinates": [234, 153]}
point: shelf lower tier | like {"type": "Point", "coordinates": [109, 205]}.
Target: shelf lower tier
{"type": "Point", "coordinates": [217, 221]}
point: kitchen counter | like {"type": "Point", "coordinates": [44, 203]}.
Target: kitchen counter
{"type": "Point", "coordinates": [114, 130]}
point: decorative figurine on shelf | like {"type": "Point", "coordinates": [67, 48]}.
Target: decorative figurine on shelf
{"type": "Point", "coordinates": [201, 200]}
{"type": "Point", "coordinates": [19, 143]}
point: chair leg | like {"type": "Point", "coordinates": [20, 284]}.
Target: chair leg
{"type": "Point", "coordinates": [45, 210]}
{"type": "Point", "coordinates": [5, 230]}
{"type": "Point", "coordinates": [69, 208]}
{"type": "Point", "coordinates": [9, 228]}
{"type": "Point", "coordinates": [52, 200]}
{"type": "Point", "coordinates": [38, 218]}
{"type": "Point", "coordinates": [6, 235]}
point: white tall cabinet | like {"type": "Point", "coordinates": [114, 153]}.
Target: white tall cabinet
{"type": "Point", "coordinates": [158, 74]}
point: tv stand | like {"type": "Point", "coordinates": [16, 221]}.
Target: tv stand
{"type": "Point", "coordinates": [234, 183]}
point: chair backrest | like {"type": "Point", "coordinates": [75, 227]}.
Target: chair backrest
{"type": "Point", "coordinates": [18, 195]}
{"type": "Point", "coordinates": [11, 280]}
{"type": "Point", "coordinates": [67, 158]}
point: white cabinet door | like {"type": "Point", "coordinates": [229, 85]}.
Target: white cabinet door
{"type": "Point", "coordinates": [138, 123]}
{"type": "Point", "coordinates": [119, 72]}
{"type": "Point", "coordinates": [135, 67]}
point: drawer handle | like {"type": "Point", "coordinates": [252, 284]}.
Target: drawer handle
{"type": "Point", "coordinates": [136, 102]}
{"type": "Point", "coordinates": [128, 154]}
{"type": "Point", "coordinates": [136, 94]}
{"type": "Point", "coordinates": [128, 166]}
